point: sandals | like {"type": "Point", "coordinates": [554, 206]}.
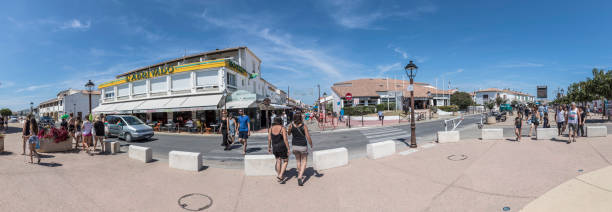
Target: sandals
{"type": "Point", "coordinates": [300, 182]}
{"type": "Point", "coordinates": [280, 180]}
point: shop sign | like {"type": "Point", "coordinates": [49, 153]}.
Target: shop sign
{"type": "Point", "coordinates": [156, 72]}
{"type": "Point", "coordinates": [242, 95]}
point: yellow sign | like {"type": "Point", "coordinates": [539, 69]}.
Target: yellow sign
{"type": "Point", "coordinates": [164, 70]}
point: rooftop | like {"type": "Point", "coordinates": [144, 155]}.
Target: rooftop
{"type": "Point", "coordinates": [370, 87]}
{"type": "Point", "coordinates": [503, 91]}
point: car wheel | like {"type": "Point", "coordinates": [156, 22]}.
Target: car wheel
{"type": "Point", "coordinates": [128, 137]}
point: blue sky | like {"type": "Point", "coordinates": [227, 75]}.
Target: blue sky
{"type": "Point", "coordinates": [48, 46]}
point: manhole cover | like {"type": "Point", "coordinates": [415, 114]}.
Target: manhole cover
{"type": "Point", "coordinates": [195, 202]}
{"type": "Point", "coordinates": [457, 157]}
{"type": "Point", "coordinates": [506, 208]}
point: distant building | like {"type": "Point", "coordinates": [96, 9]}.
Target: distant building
{"type": "Point", "coordinates": [69, 101]}
{"type": "Point", "coordinates": [374, 91]}
{"type": "Point", "coordinates": [489, 94]}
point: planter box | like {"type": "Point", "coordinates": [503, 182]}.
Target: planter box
{"type": "Point", "coordinates": [49, 145]}
{"type": "Point", "coordinates": [491, 120]}
{"type": "Point", "coordinates": [1, 144]}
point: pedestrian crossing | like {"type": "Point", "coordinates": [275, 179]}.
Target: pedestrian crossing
{"type": "Point", "coordinates": [383, 134]}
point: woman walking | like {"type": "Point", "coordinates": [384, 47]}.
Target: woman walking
{"type": "Point", "coordinates": [25, 132]}
{"type": "Point", "coordinates": [99, 133]}
{"type": "Point", "coordinates": [77, 132]}
{"type": "Point", "coordinates": [232, 129]}
{"type": "Point", "coordinates": [87, 135]}
{"type": "Point", "coordinates": [33, 140]}
{"type": "Point", "coordinates": [278, 145]}
{"type": "Point", "coordinates": [535, 121]}
{"type": "Point", "coordinates": [518, 123]}
{"type": "Point", "coordinates": [224, 130]}
{"type": "Point", "coordinates": [300, 134]}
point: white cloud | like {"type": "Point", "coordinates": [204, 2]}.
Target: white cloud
{"type": "Point", "coordinates": [385, 68]}
{"type": "Point", "coordinates": [34, 87]}
{"type": "Point", "coordinates": [76, 24]}
{"type": "Point", "coordinates": [360, 15]}
{"type": "Point", "coordinates": [6, 84]}
{"type": "Point", "coordinates": [403, 53]}
{"type": "Point", "coordinates": [281, 47]}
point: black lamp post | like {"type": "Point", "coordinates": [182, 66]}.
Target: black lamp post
{"type": "Point", "coordinates": [89, 86]}
{"type": "Point", "coordinates": [324, 107]}
{"type": "Point", "coordinates": [411, 71]}
{"type": "Point", "coordinates": [31, 107]}
{"type": "Point", "coordinates": [428, 101]}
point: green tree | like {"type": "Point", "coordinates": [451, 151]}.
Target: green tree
{"type": "Point", "coordinates": [461, 99]}
{"type": "Point", "coordinates": [499, 101]}
{"type": "Point", "coordinates": [489, 104]}
{"type": "Point", "coordinates": [514, 103]}
{"type": "Point", "coordinates": [6, 112]}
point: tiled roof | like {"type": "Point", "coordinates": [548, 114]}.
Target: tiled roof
{"type": "Point", "coordinates": [369, 87]}
{"type": "Point", "coordinates": [503, 91]}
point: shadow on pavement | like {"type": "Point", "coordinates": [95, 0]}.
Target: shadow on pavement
{"type": "Point", "coordinates": [249, 150]}
{"type": "Point", "coordinates": [46, 156]}
{"type": "Point", "coordinates": [6, 153]}
{"type": "Point", "coordinates": [10, 130]}
{"type": "Point", "coordinates": [308, 172]}
{"type": "Point", "coordinates": [52, 164]}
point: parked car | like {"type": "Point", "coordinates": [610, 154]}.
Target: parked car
{"type": "Point", "coordinates": [128, 128]}
{"type": "Point", "coordinates": [13, 119]}
{"type": "Point", "coordinates": [46, 121]}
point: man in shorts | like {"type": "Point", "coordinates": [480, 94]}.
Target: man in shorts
{"type": "Point", "coordinates": [573, 118]}
{"type": "Point", "coordinates": [244, 124]}
{"type": "Point", "coordinates": [560, 119]}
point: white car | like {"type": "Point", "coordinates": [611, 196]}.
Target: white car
{"type": "Point", "coordinates": [13, 119]}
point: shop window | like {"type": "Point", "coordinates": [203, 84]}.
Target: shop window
{"type": "Point", "coordinates": [139, 87]}
{"type": "Point", "coordinates": [231, 80]}
{"type": "Point", "coordinates": [109, 93]}
{"type": "Point", "coordinates": [123, 90]}
{"type": "Point", "coordinates": [181, 82]}
{"type": "Point", "coordinates": [159, 85]}
{"type": "Point", "coordinates": [206, 78]}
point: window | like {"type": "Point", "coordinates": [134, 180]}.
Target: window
{"type": "Point", "coordinates": [123, 90]}
{"type": "Point", "coordinates": [109, 93]}
{"type": "Point", "coordinates": [206, 78]}
{"type": "Point", "coordinates": [181, 82]}
{"type": "Point", "coordinates": [159, 85]}
{"type": "Point", "coordinates": [231, 80]}
{"type": "Point", "coordinates": [139, 87]}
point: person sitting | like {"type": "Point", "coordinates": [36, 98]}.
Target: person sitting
{"type": "Point", "coordinates": [189, 125]}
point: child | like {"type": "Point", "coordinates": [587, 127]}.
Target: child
{"type": "Point", "coordinates": [33, 140]}
{"type": "Point", "coordinates": [518, 122]}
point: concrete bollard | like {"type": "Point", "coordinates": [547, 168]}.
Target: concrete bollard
{"type": "Point", "coordinates": [111, 147]}
{"type": "Point", "coordinates": [144, 154]}
{"type": "Point", "coordinates": [330, 158]}
{"type": "Point", "coordinates": [597, 131]}
{"type": "Point", "coordinates": [259, 165]}
{"type": "Point", "coordinates": [380, 149]}
{"type": "Point", "coordinates": [492, 134]}
{"type": "Point", "coordinates": [190, 161]}
{"type": "Point", "coordinates": [448, 136]}
{"type": "Point", "coordinates": [546, 133]}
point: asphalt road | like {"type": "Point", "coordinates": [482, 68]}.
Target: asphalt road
{"type": "Point", "coordinates": [354, 140]}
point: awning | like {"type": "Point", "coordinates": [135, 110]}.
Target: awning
{"type": "Point", "coordinates": [207, 101]}
{"type": "Point", "coordinates": [241, 104]}
{"type": "Point", "coordinates": [279, 107]}
{"type": "Point", "coordinates": [153, 104]}
{"type": "Point", "coordinates": [104, 108]}
{"type": "Point", "coordinates": [173, 104]}
{"type": "Point", "coordinates": [127, 107]}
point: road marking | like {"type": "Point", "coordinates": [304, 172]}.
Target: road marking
{"type": "Point", "coordinates": [386, 135]}
{"type": "Point", "coordinates": [373, 132]}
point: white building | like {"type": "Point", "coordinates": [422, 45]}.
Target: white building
{"type": "Point", "coordinates": [69, 101]}
{"type": "Point", "coordinates": [191, 87]}
{"type": "Point", "coordinates": [489, 94]}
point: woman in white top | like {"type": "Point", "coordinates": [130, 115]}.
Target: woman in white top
{"type": "Point", "coordinates": [560, 119]}
{"type": "Point", "coordinates": [573, 118]}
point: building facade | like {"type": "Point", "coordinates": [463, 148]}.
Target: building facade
{"type": "Point", "coordinates": [192, 87]}
{"type": "Point", "coordinates": [490, 94]}
{"type": "Point", "coordinates": [377, 91]}
{"type": "Point", "coordinates": [69, 101]}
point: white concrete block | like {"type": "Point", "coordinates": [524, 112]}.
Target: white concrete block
{"type": "Point", "coordinates": [111, 147]}
{"type": "Point", "coordinates": [448, 136]}
{"type": "Point", "coordinates": [546, 133]}
{"type": "Point", "coordinates": [492, 134]}
{"type": "Point", "coordinates": [380, 149]}
{"type": "Point", "coordinates": [144, 154]}
{"type": "Point", "coordinates": [597, 131]}
{"type": "Point", "coordinates": [491, 120]}
{"type": "Point", "coordinates": [190, 161]}
{"type": "Point", "coordinates": [330, 158]}
{"type": "Point", "coordinates": [259, 165]}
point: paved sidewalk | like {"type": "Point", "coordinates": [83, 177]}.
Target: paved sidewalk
{"type": "Point", "coordinates": [471, 175]}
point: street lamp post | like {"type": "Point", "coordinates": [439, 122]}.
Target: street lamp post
{"type": "Point", "coordinates": [31, 107]}
{"type": "Point", "coordinates": [89, 86]}
{"type": "Point", "coordinates": [324, 107]}
{"type": "Point", "coordinates": [411, 71]}
{"type": "Point", "coordinates": [428, 101]}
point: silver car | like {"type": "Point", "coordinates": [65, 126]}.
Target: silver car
{"type": "Point", "coordinates": [128, 128]}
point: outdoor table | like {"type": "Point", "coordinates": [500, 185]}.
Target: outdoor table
{"type": "Point", "coordinates": [214, 127]}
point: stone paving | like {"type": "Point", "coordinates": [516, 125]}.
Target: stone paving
{"type": "Point", "coordinates": [471, 175]}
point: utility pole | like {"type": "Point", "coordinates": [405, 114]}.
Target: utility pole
{"type": "Point", "coordinates": [319, 101]}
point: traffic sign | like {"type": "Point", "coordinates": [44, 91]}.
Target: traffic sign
{"type": "Point", "coordinates": [348, 96]}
